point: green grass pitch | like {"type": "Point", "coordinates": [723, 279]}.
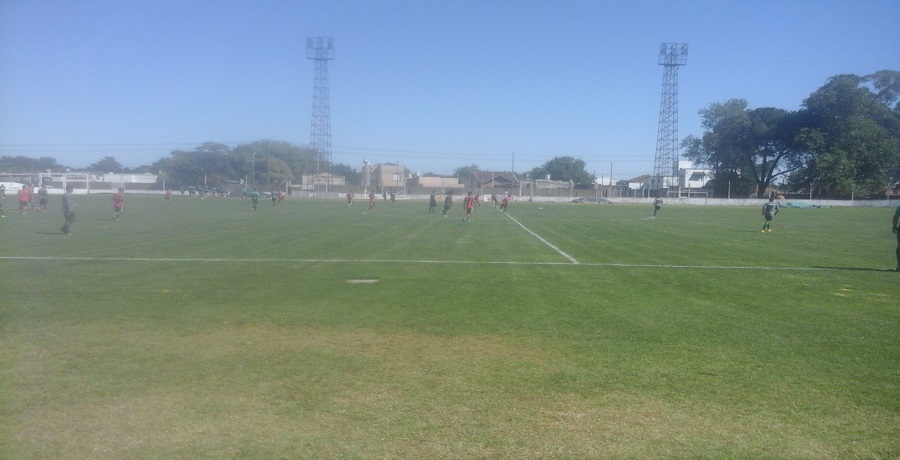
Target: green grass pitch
{"type": "Point", "coordinates": [311, 329]}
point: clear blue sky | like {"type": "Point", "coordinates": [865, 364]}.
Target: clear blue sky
{"type": "Point", "coordinates": [432, 84]}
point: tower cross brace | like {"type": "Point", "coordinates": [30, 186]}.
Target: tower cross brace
{"type": "Point", "coordinates": [665, 164]}
{"type": "Point", "coordinates": [321, 50]}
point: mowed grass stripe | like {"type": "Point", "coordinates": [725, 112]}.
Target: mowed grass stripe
{"type": "Point", "coordinates": [267, 351]}
{"type": "Point", "coordinates": [295, 229]}
{"type": "Point", "coordinates": [449, 262]}
{"type": "Point", "coordinates": [318, 230]}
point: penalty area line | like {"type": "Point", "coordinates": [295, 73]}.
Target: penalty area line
{"type": "Point", "coordinates": [558, 250]}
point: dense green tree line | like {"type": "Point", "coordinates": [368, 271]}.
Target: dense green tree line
{"type": "Point", "coordinates": [262, 163]}
{"type": "Point", "coordinates": [843, 141]}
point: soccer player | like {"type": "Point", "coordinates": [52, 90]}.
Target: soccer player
{"type": "Point", "coordinates": [769, 210]}
{"type": "Point", "coordinates": [432, 202]}
{"type": "Point", "coordinates": [118, 203]}
{"type": "Point", "coordinates": [349, 199]}
{"type": "Point", "coordinates": [254, 198]}
{"type": "Point", "coordinates": [393, 199]}
{"type": "Point", "coordinates": [657, 205]}
{"type": "Point", "coordinates": [468, 204]}
{"type": "Point", "coordinates": [505, 203]}
{"type": "Point", "coordinates": [24, 197]}
{"type": "Point", "coordinates": [896, 227]}
{"type": "Point", "coordinates": [168, 196]}
{"type": "Point", "coordinates": [371, 202]}
{"type": "Point", "coordinates": [68, 209]}
{"type": "Point", "coordinates": [42, 198]}
{"type": "Point", "coordinates": [448, 201]}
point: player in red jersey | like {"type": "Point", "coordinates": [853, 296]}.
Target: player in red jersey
{"type": "Point", "coordinates": [24, 197]}
{"type": "Point", "coordinates": [118, 203]}
{"type": "Point", "coordinates": [371, 201]}
{"type": "Point", "coordinates": [468, 204]}
{"type": "Point", "coordinates": [505, 202]}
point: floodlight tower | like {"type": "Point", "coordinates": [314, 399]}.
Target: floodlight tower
{"type": "Point", "coordinates": [665, 165]}
{"type": "Point", "coordinates": [321, 50]}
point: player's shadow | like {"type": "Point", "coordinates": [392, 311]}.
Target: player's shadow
{"type": "Point", "coordinates": [858, 269]}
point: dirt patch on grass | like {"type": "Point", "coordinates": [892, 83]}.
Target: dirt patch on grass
{"type": "Point", "coordinates": [257, 390]}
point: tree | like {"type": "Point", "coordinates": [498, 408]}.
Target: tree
{"type": "Point", "coordinates": [21, 164]}
{"type": "Point", "coordinates": [565, 169]}
{"type": "Point", "coordinates": [887, 87]}
{"type": "Point", "coordinates": [209, 164]}
{"type": "Point", "coordinates": [352, 176]}
{"type": "Point", "coordinates": [107, 164]}
{"type": "Point", "coordinates": [731, 184]}
{"type": "Point", "coordinates": [758, 144]}
{"type": "Point", "coordinates": [463, 172]}
{"type": "Point", "coordinates": [300, 160]}
{"type": "Point", "coordinates": [852, 136]}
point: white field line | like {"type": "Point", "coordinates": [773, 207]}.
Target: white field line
{"type": "Point", "coordinates": [558, 250]}
{"type": "Point", "coordinates": [399, 261]}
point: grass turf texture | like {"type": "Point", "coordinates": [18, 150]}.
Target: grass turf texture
{"type": "Point", "coordinates": [203, 330]}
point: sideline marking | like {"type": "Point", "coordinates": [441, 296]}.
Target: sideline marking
{"type": "Point", "coordinates": [558, 250]}
{"type": "Point", "coordinates": [400, 261]}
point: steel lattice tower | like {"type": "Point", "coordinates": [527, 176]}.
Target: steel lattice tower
{"type": "Point", "coordinates": [665, 165]}
{"type": "Point", "coordinates": [321, 50]}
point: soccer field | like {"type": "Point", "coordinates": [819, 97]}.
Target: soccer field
{"type": "Point", "coordinates": [311, 329]}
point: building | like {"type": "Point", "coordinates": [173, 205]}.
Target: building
{"type": "Point", "coordinates": [493, 181]}
{"type": "Point", "coordinates": [426, 184]}
{"type": "Point", "coordinates": [383, 176]}
{"type": "Point", "coordinates": [320, 180]}
{"type": "Point", "coordinates": [690, 177]}
{"type": "Point", "coordinates": [84, 180]}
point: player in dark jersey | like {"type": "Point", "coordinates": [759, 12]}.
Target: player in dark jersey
{"type": "Point", "coordinates": [432, 202]}
{"type": "Point", "coordinates": [68, 209]}
{"type": "Point", "coordinates": [254, 198]}
{"type": "Point", "coordinates": [42, 198]}
{"type": "Point", "coordinates": [769, 210]}
{"type": "Point", "coordinates": [657, 205]}
{"type": "Point", "coordinates": [896, 227]}
{"type": "Point", "coordinates": [448, 201]}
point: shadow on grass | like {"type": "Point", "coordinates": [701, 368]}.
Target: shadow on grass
{"type": "Point", "coordinates": [857, 269]}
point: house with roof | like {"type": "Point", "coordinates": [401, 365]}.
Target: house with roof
{"type": "Point", "coordinates": [493, 180]}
